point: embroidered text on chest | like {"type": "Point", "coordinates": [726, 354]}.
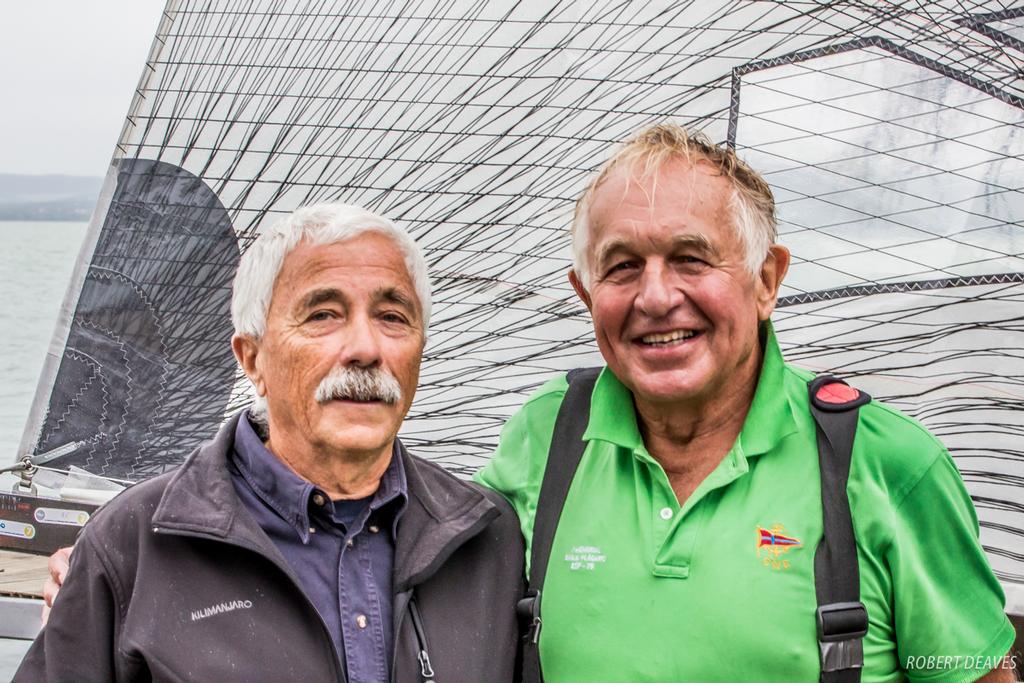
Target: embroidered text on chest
{"type": "Point", "coordinates": [221, 608]}
{"type": "Point", "coordinates": [584, 558]}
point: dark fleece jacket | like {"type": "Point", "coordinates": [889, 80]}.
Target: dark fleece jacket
{"type": "Point", "coordinates": [174, 581]}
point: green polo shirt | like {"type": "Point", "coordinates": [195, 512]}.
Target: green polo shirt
{"type": "Point", "coordinates": [640, 588]}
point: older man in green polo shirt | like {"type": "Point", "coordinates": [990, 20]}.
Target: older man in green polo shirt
{"type": "Point", "coordinates": [685, 549]}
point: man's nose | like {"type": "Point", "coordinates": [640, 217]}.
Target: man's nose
{"type": "Point", "coordinates": [659, 291]}
{"type": "Point", "coordinates": [361, 347]}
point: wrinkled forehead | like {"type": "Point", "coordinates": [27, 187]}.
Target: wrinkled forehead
{"type": "Point", "coordinates": [354, 250]}
{"type": "Point", "coordinates": [368, 256]}
{"type": "Point", "coordinates": [665, 208]}
{"type": "Point", "coordinates": [674, 182]}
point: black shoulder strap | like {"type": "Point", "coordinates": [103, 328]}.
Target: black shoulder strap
{"type": "Point", "coordinates": [564, 457]}
{"type": "Point", "coordinates": [842, 617]}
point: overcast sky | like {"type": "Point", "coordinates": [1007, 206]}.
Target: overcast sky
{"type": "Point", "coordinates": [68, 69]}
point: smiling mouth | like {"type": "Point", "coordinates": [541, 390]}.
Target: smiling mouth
{"type": "Point", "coordinates": [672, 338]}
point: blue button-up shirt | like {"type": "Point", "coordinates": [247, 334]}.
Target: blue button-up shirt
{"type": "Point", "coordinates": [341, 551]}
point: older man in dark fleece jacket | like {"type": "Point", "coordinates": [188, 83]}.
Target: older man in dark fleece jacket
{"type": "Point", "coordinates": [304, 542]}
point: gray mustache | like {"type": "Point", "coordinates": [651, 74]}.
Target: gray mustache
{"type": "Point", "coordinates": [359, 384]}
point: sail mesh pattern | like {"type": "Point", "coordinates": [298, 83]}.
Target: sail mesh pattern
{"type": "Point", "coordinates": [889, 132]}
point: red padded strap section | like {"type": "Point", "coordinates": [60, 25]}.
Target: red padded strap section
{"type": "Point", "coordinates": [837, 393]}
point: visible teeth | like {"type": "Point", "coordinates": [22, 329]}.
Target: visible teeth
{"type": "Point", "coordinates": [667, 337]}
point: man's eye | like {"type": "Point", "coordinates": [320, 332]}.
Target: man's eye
{"type": "Point", "coordinates": [621, 267]}
{"type": "Point", "coordinates": [320, 316]}
{"type": "Point", "coordinates": [394, 318]}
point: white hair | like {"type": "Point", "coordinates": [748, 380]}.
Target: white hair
{"type": "Point", "coordinates": [319, 225]}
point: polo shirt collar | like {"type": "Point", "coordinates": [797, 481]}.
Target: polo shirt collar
{"type": "Point", "coordinates": [771, 415]}
{"type": "Point", "coordinates": [288, 494]}
{"type": "Point", "coordinates": [613, 414]}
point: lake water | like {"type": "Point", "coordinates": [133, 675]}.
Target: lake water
{"type": "Point", "coordinates": [36, 260]}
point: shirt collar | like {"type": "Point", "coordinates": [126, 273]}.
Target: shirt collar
{"type": "Point", "coordinates": [612, 414]}
{"type": "Point", "coordinates": [288, 494]}
{"type": "Point", "coordinates": [770, 419]}
{"type": "Point", "coordinates": [393, 491]}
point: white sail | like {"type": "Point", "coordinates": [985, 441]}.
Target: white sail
{"type": "Point", "coordinates": [890, 134]}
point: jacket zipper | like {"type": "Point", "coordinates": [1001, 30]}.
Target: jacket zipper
{"type": "Point", "coordinates": [426, 670]}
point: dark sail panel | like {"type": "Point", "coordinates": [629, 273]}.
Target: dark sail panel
{"type": "Point", "coordinates": [147, 371]}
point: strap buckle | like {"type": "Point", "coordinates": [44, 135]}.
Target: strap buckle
{"type": "Point", "coordinates": [841, 629]}
{"type": "Point", "coordinates": [528, 611]}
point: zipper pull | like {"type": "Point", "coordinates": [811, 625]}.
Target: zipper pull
{"type": "Point", "coordinates": [426, 670]}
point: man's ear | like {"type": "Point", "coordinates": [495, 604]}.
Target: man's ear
{"type": "Point", "coordinates": [581, 291]}
{"type": "Point", "coordinates": [773, 271]}
{"type": "Point", "coordinates": [246, 351]}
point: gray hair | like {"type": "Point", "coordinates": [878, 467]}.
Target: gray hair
{"type": "Point", "coordinates": [319, 224]}
{"type": "Point", "coordinates": [751, 202]}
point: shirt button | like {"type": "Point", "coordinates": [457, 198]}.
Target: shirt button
{"type": "Point", "coordinates": [312, 530]}
{"type": "Point", "coordinates": [374, 528]}
{"type": "Point", "coordinates": [666, 513]}
{"type": "Point", "coordinates": [361, 620]}
{"type": "Point", "coordinates": [318, 500]}
{"type": "Point", "coordinates": [350, 542]}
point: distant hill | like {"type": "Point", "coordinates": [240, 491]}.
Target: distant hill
{"type": "Point", "coordinates": [47, 197]}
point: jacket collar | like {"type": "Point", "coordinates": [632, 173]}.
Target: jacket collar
{"type": "Point", "coordinates": [200, 497]}
{"type": "Point", "coordinates": [443, 512]}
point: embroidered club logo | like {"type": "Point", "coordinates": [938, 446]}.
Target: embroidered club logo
{"type": "Point", "coordinates": [772, 543]}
